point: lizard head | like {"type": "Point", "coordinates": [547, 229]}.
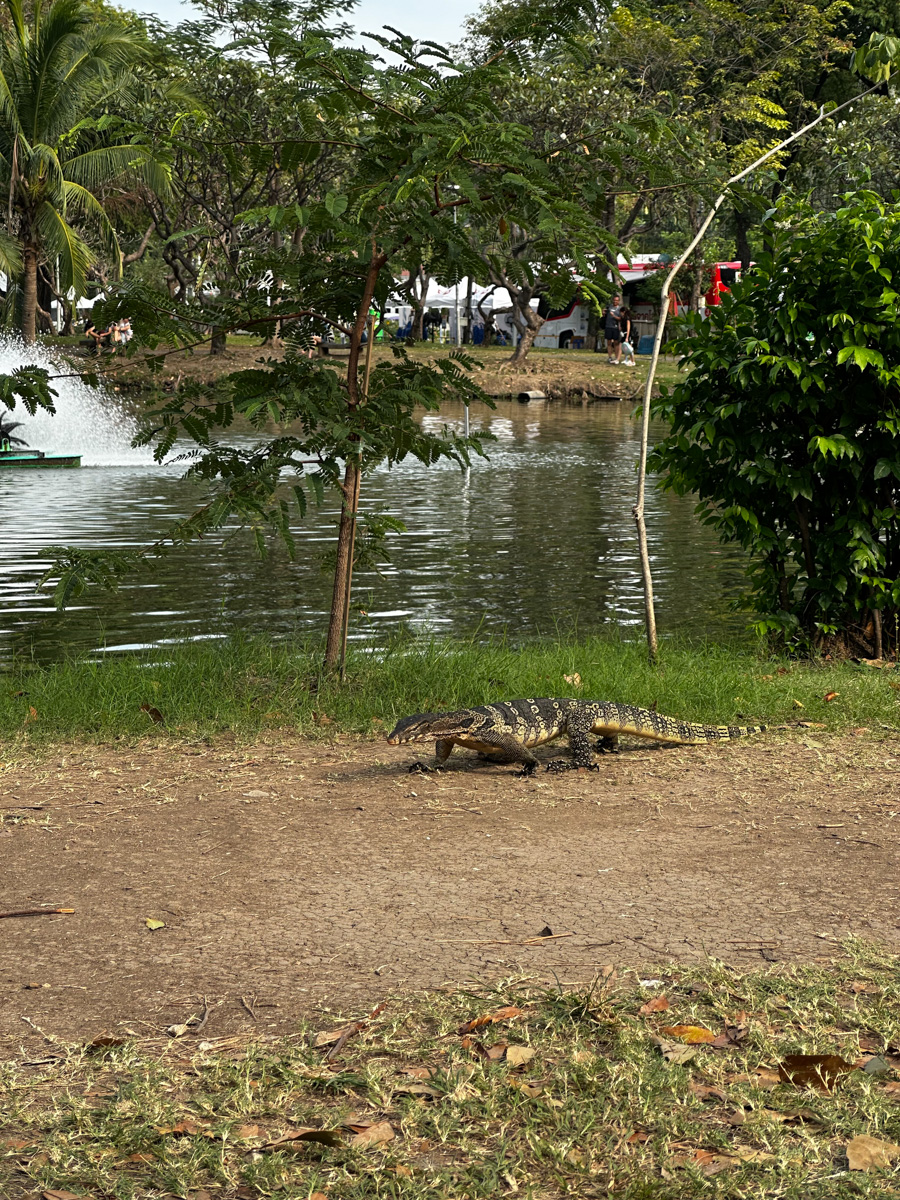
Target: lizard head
{"type": "Point", "coordinates": [428, 725]}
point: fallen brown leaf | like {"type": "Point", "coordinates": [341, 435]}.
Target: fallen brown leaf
{"type": "Point", "coordinates": [517, 1056]}
{"type": "Point", "coordinates": [154, 714]}
{"type": "Point", "coordinates": [502, 1014]}
{"type": "Point", "coordinates": [375, 1135]}
{"type": "Point", "coordinates": [829, 696]}
{"type": "Point", "coordinates": [657, 1004]}
{"type": "Point", "coordinates": [424, 1090]}
{"type": "Point", "coordinates": [245, 1132]}
{"type": "Point", "coordinates": [731, 1035]}
{"type": "Point", "coordinates": [526, 1088]}
{"type": "Point", "coordinates": [871, 1154]}
{"type": "Point", "coordinates": [104, 1041]}
{"type": "Point", "coordinates": [57, 1195]}
{"type": "Point", "coordinates": [704, 1091]}
{"type": "Point", "coordinates": [814, 1070]}
{"type": "Point", "coordinates": [183, 1127]}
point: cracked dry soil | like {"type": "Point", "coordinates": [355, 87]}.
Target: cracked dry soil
{"type": "Point", "coordinates": [296, 874]}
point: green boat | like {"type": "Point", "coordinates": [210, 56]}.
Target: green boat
{"type": "Point", "coordinates": [20, 457]}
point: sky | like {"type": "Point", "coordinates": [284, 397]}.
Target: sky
{"type": "Point", "coordinates": [441, 23]}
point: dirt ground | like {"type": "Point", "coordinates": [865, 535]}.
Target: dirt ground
{"type": "Point", "coordinates": [296, 874]}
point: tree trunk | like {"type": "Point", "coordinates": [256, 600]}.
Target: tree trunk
{"type": "Point", "coordinates": [339, 599]}
{"type": "Point", "coordinates": [218, 342]}
{"type": "Point", "coordinates": [531, 326]}
{"type": "Point", "coordinates": [742, 239]}
{"type": "Point", "coordinates": [340, 596]}
{"type": "Point", "coordinates": [466, 338]}
{"type": "Point", "coordinates": [29, 292]}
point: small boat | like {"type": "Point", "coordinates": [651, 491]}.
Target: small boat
{"type": "Point", "coordinates": [21, 457]}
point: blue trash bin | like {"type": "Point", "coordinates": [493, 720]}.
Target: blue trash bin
{"type": "Point", "coordinates": [646, 344]}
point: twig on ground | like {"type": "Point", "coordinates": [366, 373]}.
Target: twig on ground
{"type": "Point", "coordinates": [36, 912]}
{"type": "Point", "coordinates": [246, 1006]}
{"type": "Point", "coordinates": [535, 941]}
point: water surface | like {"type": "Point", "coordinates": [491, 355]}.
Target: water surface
{"type": "Point", "coordinates": [538, 537]}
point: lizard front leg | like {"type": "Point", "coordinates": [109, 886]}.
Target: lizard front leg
{"type": "Point", "coordinates": [512, 750]}
{"type": "Point", "coordinates": [442, 750]}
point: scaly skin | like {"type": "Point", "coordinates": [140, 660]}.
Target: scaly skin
{"type": "Point", "coordinates": [508, 731]}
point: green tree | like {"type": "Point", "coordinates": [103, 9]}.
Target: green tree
{"type": "Point", "coordinates": [423, 140]}
{"type": "Point", "coordinates": [60, 70]}
{"type": "Point", "coordinates": [787, 425]}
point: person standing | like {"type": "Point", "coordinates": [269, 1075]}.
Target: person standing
{"type": "Point", "coordinates": [612, 329]}
{"type": "Point", "coordinates": [625, 325]}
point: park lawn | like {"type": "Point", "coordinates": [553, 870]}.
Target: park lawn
{"type": "Point", "coordinates": [611, 1089]}
{"type": "Point", "coordinates": [560, 372]}
{"type": "Point", "coordinates": [247, 687]}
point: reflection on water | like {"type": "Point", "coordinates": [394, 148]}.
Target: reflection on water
{"type": "Point", "coordinates": [540, 535]}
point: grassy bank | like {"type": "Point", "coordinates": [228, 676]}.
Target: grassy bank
{"type": "Point", "coordinates": [555, 1093]}
{"type": "Point", "coordinates": [249, 686]}
{"type": "Point", "coordinates": [558, 371]}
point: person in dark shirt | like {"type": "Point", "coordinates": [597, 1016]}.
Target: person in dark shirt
{"type": "Point", "coordinates": [612, 329]}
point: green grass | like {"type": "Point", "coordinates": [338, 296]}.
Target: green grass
{"type": "Point", "coordinates": [596, 1111]}
{"type": "Point", "coordinates": [247, 686]}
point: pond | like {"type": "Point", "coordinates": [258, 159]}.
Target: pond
{"type": "Point", "coordinates": [538, 537]}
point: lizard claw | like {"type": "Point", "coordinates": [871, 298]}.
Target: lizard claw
{"type": "Point", "coordinates": [559, 764]}
{"type": "Point", "coordinates": [419, 768]}
{"type": "Point", "coordinates": [527, 771]}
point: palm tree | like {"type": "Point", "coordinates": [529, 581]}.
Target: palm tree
{"type": "Point", "coordinates": [63, 75]}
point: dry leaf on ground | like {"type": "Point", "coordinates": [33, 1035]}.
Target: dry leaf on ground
{"type": "Point", "coordinates": [657, 1004]}
{"type": "Point", "coordinates": [814, 1070]}
{"type": "Point", "coordinates": [871, 1154]}
{"type": "Point", "coordinates": [517, 1056]}
{"type": "Point", "coordinates": [704, 1091]}
{"type": "Point", "coordinates": [675, 1052]}
{"type": "Point", "coordinates": [691, 1035]}
{"type": "Point", "coordinates": [375, 1135]}
{"type": "Point", "coordinates": [153, 923]}
{"type": "Point", "coordinates": [502, 1014]}
{"type": "Point", "coordinates": [327, 1137]}
{"type": "Point", "coordinates": [183, 1127]}
{"type": "Point", "coordinates": [528, 1089]}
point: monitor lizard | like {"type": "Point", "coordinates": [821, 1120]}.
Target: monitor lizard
{"type": "Point", "coordinates": [507, 731]}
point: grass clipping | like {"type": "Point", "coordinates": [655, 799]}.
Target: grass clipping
{"type": "Point", "coordinates": [694, 1081]}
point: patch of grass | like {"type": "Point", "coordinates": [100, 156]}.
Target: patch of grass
{"type": "Point", "coordinates": [249, 685]}
{"type": "Point", "coordinates": [586, 1104]}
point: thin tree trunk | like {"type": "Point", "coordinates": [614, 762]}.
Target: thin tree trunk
{"type": "Point", "coordinates": [350, 486]}
{"type": "Point", "coordinates": [29, 292]}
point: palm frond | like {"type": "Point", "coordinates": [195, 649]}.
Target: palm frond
{"type": "Point", "coordinates": [60, 240]}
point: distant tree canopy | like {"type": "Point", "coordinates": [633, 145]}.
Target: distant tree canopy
{"type": "Point", "coordinates": [787, 425]}
{"type": "Point", "coordinates": [60, 70]}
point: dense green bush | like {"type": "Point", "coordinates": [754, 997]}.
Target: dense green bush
{"type": "Point", "coordinates": [787, 424]}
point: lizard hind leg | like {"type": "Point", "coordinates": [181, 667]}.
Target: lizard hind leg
{"type": "Point", "coordinates": [609, 744]}
{"type": "Point", "coordinates": [582, 753]}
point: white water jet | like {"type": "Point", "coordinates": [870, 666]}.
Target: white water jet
{"type": "Point", "coordinates": [88, 421]}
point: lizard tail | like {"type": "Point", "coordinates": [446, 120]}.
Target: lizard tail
{"type": "Point", "coordinates": [642, 723]}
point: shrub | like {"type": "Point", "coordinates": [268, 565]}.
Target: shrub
{"type": "Point", "coordinates": [787, 424]}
